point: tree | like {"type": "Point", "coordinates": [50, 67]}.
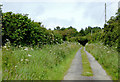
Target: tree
{"type": "Point", "coordinates": [82, 32]}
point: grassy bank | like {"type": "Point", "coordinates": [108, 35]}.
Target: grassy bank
{"type": "Point", "coordinates": [47, 63]}
{"type": "Point", "coordinates": [0, 64]}
{"type": "Point", "coordinates": [106, 56]}
{"type": "Point", "coordinates": [87, 71]}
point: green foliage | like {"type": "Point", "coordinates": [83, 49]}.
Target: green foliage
{"type": "Point", "coordinates": [111, 31]}
{"type": "Point", "coordinates": [47, 63]}
{"type": "Point", "coordinates": [87, 71]}
{"type": "Point", "coordinates": [23, 31]}
{"type": "Point", "coordinates": [0, 64]}
{"type": "Point", "coordinates": [89, 30]}
{"type": "Point", "coordinates": [106, 56]}
{"type": "Point", "coordinates": [82, 40]}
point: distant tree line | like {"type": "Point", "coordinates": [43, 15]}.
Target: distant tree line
{"type": "Point", "coordinates": [20, 30]}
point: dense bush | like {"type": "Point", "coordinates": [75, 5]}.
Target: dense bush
{"type": "Point", "coordinates": [111, 31]}
{"type": "Point", "coordinates": [21, 30]}
{"type": "Point", "coordinates": [82, 40]}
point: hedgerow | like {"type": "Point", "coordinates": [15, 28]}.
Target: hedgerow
{"type": "Point", "coordinates": [21, 30]}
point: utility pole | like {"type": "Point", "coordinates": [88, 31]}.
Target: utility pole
{"type": "Point", "coordinates": [105, 13]}
{"type": "Point", "coordinates": [118, 4]}
{"type": "Point", "coordinates": [0, 25]}
{"type": "Point", "coordinates": [91, 32]}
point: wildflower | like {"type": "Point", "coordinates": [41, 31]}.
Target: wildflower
{"type": "Point", "coordinates": [26, 60]}
{"type": "Point", "coordinates": [29, 55]}
{"type": "Point", "coordinates": [108, 51]}
{"type": "Point", "coordinates": [26, 49]}
{"type": "Point", "coordinates": [31, 48]}
{"type": "Point", "coordinates": [21, 59]}
{"type": "Point", "coordinates": [9, 46]}
{"type": "Point", "coordinates": [19, 46]}
{"type": "Point", "coordinates": [15, 66]}
{"type": "Point", "coordinates": [86, 43]}
{"type": "Point", "coordinates": [7, 39]}
{"type": "Point", "coordinates": [5, 47]}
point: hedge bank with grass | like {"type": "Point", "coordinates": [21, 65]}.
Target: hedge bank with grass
{"type": "Point", "coordinates": [47, 63]}
{"type": "Point", "coordinates": [106, 56]}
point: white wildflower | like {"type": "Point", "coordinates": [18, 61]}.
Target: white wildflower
{"type": "Point", "coordinates": [4, 46]}
{"type": "Point", "coordinates": [21, 59]}
{"type": "Point", "coordinates": [86, 43]}
{"type": "Point", "coordinates": [20, 46]}
{"type": "Point", "coordinates": [26, 60]}
{"type": "Point", "coordinates": [108, 51]}
{"type": "Point", "coordinates": [29, 55]}
{"type": "Point", "coordinates": [31, 48]}
{"type": "Point", "coordinates": [15, 66]}
{"type": "Point", "coordinates": [9, 46]}
{"type": "Point", "coordinates": [26, 49]}
{"type": "Point", "coordinates": [7, 39]}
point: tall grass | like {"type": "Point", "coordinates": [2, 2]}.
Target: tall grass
{"type": "Point", "coordinates": [47, 63]}
{"type": "Point", "coordinates": [87, 71]}
{"type": "Point", "coordinates": [106, 56]}
{"type": "Point", "coordinates": [0, 64]}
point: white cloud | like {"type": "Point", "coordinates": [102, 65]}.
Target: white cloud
{"type": "Point", "coordinates": [52, 14]}
{"type": "Point", "coordinates": [59, 0]}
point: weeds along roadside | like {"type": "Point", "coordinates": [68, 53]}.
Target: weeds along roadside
{"type": "Point", "coordinates": [48, 63]}
{"type": "Point", "coordinates": [0, 64]}
{"type": "Point", "coordinates": [87, 71]}
{"type": "Point", "coordinates": [106, 56]}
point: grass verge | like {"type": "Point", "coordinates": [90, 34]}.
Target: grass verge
{"type": "Point", "coordinates": [87, 71]}
{"type": "Point", "coordinates": [47, 63]}
{"type": "Point", "coordinates": [0, 64]}
{"type": "Point", "coordinates": [106, 56]}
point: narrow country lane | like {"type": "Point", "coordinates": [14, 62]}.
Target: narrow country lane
{"type": "Point", "coordinates": [74, 72]}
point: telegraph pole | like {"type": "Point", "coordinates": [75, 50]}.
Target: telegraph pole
{"type": "Point", "coordinates": [105, 14]}
{"type": "Point", "coordinates": [91, 32]}
{"type": "Point", "coordinates": [0, 25]}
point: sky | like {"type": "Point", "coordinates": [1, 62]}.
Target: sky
{"type": "Point", "coordinates": [63, 13]}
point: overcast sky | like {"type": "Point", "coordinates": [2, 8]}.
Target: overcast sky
{"type": "Point", "coordinates": [78, 14]}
